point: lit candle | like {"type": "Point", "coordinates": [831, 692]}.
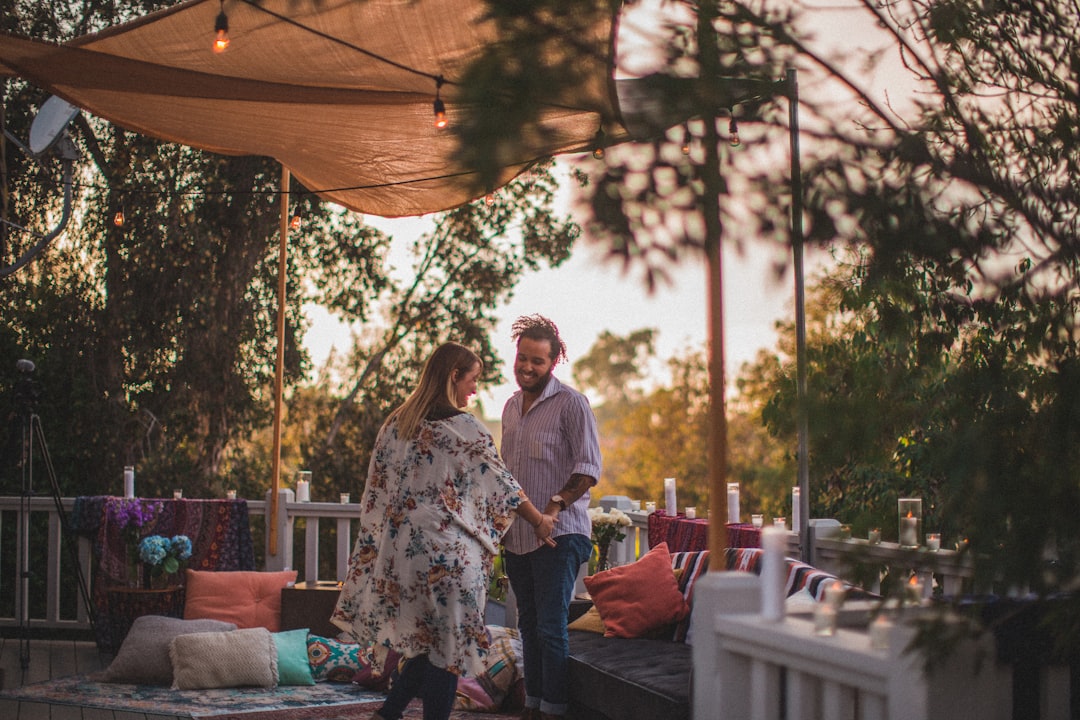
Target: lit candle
{"type": "Point", "coordinates": [874, 536]}
{"type": "Point", "coordinates": [757, 520]}
{"type": "Point", "coordinates": [933, 542]}
{"type": "Point", "coordinates": [129, 481]}
{"type": "Point", "coordinates": [824, 620]}
{"type": "Point", "coordinates": [733, 502]}
{"type": "Point", "coordinates": [669, 497]}
{"type": "Point", "coordinates": [914, 590]}
{"type": "Point", "coordinates": [344, 498]}
{"type": "Point", "coordinates": [650, 506]}
{"type": "Point", "coordinates": [773, 573]}
{"type": "Point", "coordinates": [834, 593]}
{"type": "Point", "coordinates": [796, 509]}
{"type": "Point", "coordinates": [880, 629]}
{"type": "Point", "coordinates": [691, 512]}
{"type": "Point", "coordinates": [230, 494]}
{"type": "Point", "coordinates": [779, 523]}
{"type": "Point", "coordinates": [303, 486]}
{"type": "Point", "coordinates": [908, 536]}
{"type": "Point", "coordinates": [177, 494]}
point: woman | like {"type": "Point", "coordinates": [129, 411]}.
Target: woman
{"type": "Point", "coordinates": [437, 501]}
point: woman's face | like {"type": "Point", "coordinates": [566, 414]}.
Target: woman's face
{"type": "Point", "coordinates": [465, 385]}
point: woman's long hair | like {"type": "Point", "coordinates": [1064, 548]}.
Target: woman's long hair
{"type": "Point", "coordinates": [436, 386]}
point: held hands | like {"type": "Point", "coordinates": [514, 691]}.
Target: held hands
{"type": "Point", "coordinates": [544, 528]}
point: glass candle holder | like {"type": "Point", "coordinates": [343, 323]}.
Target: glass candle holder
{"type": "Point", "coordinates": [177, 494]}
{"type": "Point", "coordinates": [845, 532]}
{"type": "Point", "coordinates": [691, 512]}
{"type": "Point", "coordinates": [933, 542]}
{"type": "Point", "coordinates": [344, 499]}
{"type": "Point", "coordinates": [780, 522]}
{"type": "Point", "coordinates": [909, 518]}
{"type": "Point", "coordinates": [824, 620]}
{"type": "Point", "coordinates": [650, 506]}
{"type": "Point", "coordinates": [874, 536]}
{"type": "Point", "coordinates": [757, 520]}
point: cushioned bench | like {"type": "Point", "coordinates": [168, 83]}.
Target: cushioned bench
{"type": "Point", "coordinates": [648, 678]}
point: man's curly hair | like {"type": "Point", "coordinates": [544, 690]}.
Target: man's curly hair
{"type": "Point", "coordinates": [538, 327]}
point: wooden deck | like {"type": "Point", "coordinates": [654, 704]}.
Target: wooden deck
{"type": "Point", "coordinates": [53, 659]}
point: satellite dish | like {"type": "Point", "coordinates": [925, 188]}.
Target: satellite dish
{"type": "Point", "coordinates": [49, 124]}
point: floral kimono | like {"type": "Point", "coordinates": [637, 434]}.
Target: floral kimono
{"type": "Point", "coordinates": [432, 514]}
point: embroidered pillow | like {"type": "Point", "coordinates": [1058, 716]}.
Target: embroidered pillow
{"type": "Point", "coordinates": [334, 660]}
{"type": "Point", "coordinates": [633, 599]}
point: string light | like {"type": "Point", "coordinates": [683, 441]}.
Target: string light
{"type": "Point", "coordinates": [440, 107]}
{"type": "Point", "coordinates": [685, 147]}
{"type": "Point", "coordinates": [221, 31]}
{"type": "Point", "coordinates": [733, 132]}
{"type": "Point", "coordinates": [598, 145]}
{"type": "Point", "coordinates": [118, 218]}
{"type": "Point", "coordinates": [294, 224]}
{"type": "Point", "coordinates": [489, 199]}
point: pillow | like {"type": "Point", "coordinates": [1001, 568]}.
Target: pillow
{"type": "Point", "coordinates": [502, 671]}
{"type": "Point", "coordinates": [635, 598]}
{"type": "Point", "coordinates": [375, 675]}
{"type": "Point", "coordinates": [245, 657]}
{"type": "Point", "coordinates": [334, 660]}
{"type": "Point", "coordinates": [143, 658]}
{"type": "Point", "coordinates": [588, 622]}
{"type": "Point", "coordinates": [245, 597]}
{"type": "Point", "coordinates": [292, 658]}
{"type": "Point", "coordinates": [690, 566]}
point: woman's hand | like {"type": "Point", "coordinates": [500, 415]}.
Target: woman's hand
{"type": "Point", "coordinates": [544, 528]}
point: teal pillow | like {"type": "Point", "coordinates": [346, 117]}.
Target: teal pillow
{"type": "Point", "coordinates": [292, 658]}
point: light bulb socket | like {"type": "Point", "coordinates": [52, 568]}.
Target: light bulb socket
{"type": "Point", "coordinates": [440, 113]}
{"type": "Point", "coordinates": [733, 132]}
{"type": "Point", "coordinates": [598, 145]}
{"type": "Point", "coordinates": [221, 31]}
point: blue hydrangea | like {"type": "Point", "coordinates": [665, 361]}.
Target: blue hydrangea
{"type": "Point", "coordinates": [181, 547]}
{"type": "Point", "coordinates": [153, 549]}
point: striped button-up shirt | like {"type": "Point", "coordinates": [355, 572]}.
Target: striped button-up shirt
{"type": "Point", "coordinates": [557, 438]}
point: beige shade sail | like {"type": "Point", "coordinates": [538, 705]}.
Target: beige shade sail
{"type": "Point", "coordinates": [340, 92]}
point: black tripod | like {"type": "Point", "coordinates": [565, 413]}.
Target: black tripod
{"type": "Point", "coordinates": [33, 444]}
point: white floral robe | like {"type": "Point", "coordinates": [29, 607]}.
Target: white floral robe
{"type": "Point", "coordinates": [432, 515]}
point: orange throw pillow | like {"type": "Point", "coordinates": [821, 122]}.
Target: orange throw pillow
{"type": "Point", "coordinates": [245, 597]}
{"type": "Point", "coordinates": [633, 599]}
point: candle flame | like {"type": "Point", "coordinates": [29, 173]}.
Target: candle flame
{"type": "Point", "coordinates": [909, 514]}
{"type": "Point", "coordinates": [913, 581]}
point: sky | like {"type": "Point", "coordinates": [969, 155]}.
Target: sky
{"type": "Point", "coordinates": [588, 295]}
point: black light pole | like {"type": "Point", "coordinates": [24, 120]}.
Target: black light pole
{"type": "Point", "coordinates": [791, 92]}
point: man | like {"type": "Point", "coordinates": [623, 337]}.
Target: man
{"type": "Point", "coordinates": [551, 445]}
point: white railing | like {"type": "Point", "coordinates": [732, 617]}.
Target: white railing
{"type": "Point", "coordinates": [749, 667]}
{"type": "Point", "coordinates": [62, 591]}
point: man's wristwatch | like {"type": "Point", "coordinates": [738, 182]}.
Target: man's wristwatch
{"type": "Point", "coordinates": [558, 500]}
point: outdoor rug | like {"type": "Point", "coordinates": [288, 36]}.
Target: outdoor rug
{"type": "Point", "coordinates": [322, 701]}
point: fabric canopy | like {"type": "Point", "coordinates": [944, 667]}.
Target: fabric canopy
{"type": "Point", "coordinates": [340, 92]}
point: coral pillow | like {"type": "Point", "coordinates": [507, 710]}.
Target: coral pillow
{"type": "Point", "coordinates": [633, 599]}
{"type": "Point", "coordinates": [245, 597]}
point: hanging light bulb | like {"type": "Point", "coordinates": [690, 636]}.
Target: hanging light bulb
{"type": "Point", "coordinates": [489, 199]}
{"type": "Point", "coordinates": [685, 147]}
{"type": "Point", "coordinates": [440, 107]}
{"type": "Point", "coordinates": [598, 145]}
{"type": "Point", "coordinates": [118, 218]}
{"type": "Point", "coordinates": [221, 31]}
{"type": "Point", "coordinates": [294, 223]}
{"type": "Point", "coordinates": [733, 133]}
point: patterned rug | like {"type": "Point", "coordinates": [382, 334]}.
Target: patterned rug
{"type": "Point", "coordinates": [322, 701]}
{"type": "Point", "coordinates": [84, 691]}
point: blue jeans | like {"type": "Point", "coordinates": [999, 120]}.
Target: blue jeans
{"type": "Point", "coordinates": [436, 686]}
{"type": "Point", "coordinates": [543, 584]}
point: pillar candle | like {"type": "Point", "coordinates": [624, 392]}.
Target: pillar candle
{"type": "Point", "coordinates": [129, 482]}
{"type": "Point", "coordinates": [669, 497]}
{"type": "Point", "coordinates": [773, 573]}
{"type": "Point", "coordinates": [908, 534]}
{"type": "Point", "coordinates": [796, 509]}
{"type": "Point", "coordinates": [303, 491]}
{"type": "Point", "coordinates": [733, 502]}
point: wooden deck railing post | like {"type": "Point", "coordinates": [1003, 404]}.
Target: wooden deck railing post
{"type": "Point", "coordinates": [283, 523]}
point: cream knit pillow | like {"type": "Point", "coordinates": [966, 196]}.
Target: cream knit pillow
{"type": "Point", "coordinates": [224, 659]}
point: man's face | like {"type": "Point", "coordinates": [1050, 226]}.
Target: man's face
{"type": "Point", "coordinates": [533, 364]}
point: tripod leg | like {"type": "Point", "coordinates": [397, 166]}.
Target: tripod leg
{"type": "Point", "coordinates": [66, 533]}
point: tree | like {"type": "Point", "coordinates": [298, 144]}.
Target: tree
{"type": "Point", "coordinates": [155, 341]}
{"type": "Point", "coordinates": [614, 366]}
{"type": "Point", "coordinates": [961, 207]}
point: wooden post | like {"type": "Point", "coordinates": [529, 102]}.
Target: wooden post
{"type": "Point", "coordinates": [279, 369]}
